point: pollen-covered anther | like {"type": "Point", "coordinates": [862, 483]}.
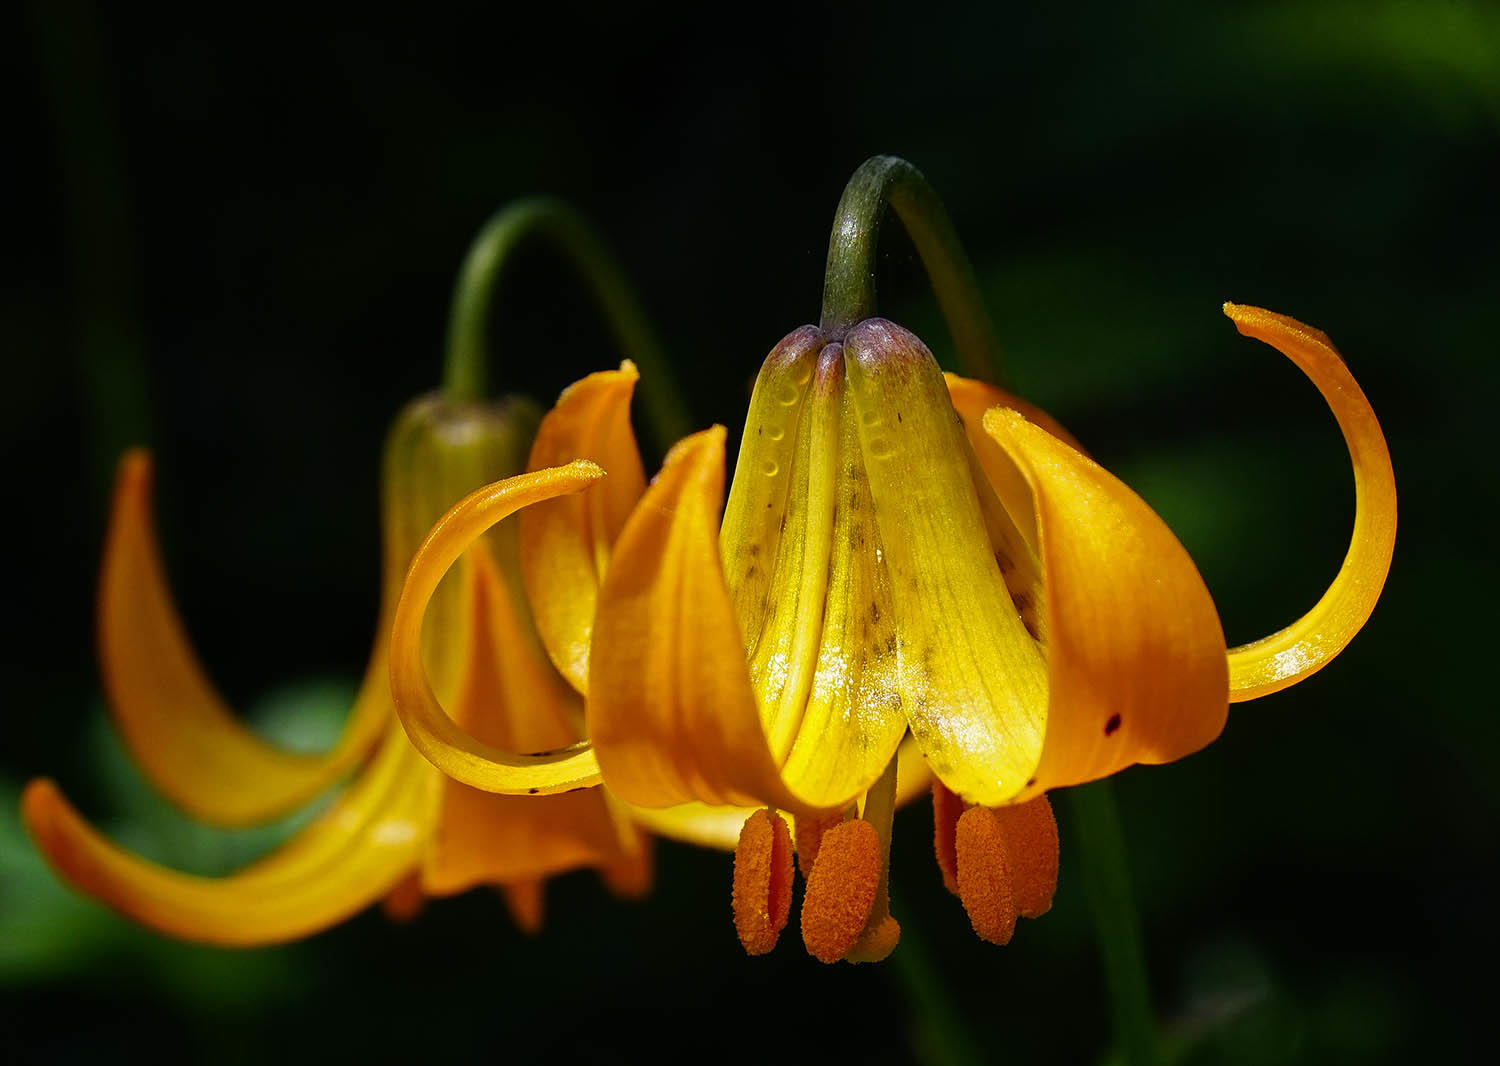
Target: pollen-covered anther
{"type": "Point", "coordinates": [762, 881]}
{"type": "Point", "coordinates": [809, 837]}
{"type": "Point", "coordinates": [946, 808]}
{"type": "Point", "coordinates": [985, 884]}
{"type": "Point", "coordinates": [841, 890]}
{"type": "Point", "coordinates": [1031, 851]}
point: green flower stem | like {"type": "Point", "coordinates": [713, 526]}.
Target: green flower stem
{"type": "Point", "coordinates": [849, 281]}
{"type": "Point", "coordinates": [468, 323]}
{"type": "Point", "coordinates": [940, 1033]}
{"type": "Point", "coordinates": [1106, 876]}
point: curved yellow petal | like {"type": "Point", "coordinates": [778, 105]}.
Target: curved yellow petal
{"type": "Point", "coordinates": [1134, 662]}
{"type": "Point", "coordinates": [695, 823]}
{"type": "Point", "coordinates": [449, 747]}
{"type": "Point", "coordinates": [719, 827]}
{"type": "Point", "coordinates": [565, 542]}
{"type": "Point", "coordinates": [509, 696]}
{"type": "Point", "coordinates": [971, 678]}
{"type": "Point", "coordinates": [1310, 643]}
{"type": "Point", "coordinates": [751, 533]}
{"type": "Point", "coordinates": [847, 717]}
{"type": "Point", "coordinates": [671, 713]}
{"type": "Point", "coordinates": [186, 739]}
{"type": "Point", "coordinates": [971, 399]}
{"type": "Point", "coordinates": [350, 857]}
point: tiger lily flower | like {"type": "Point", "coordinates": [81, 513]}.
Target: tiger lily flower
{"type": "Point", "coordinates": [400, 829]}
{"type": "Point", "coordinates": [905, 562]}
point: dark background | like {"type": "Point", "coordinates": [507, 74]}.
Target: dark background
{"type": "Point", "coordinates": [233, 237]}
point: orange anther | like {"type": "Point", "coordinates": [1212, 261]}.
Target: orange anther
{"type": "Point", "coordinates": [946, 807]}
{"type": "Point", "coordinates": [841, 890]}
{"type": "Point", "coordinates": [630, 876]}
{"type": "Point", "coordinates": [984, 878]}
{"type": "Point", "coordinates": [809, 837]}
{"type": "Point", "coordinates": [762, 881]}
{"type": "Point", "coordinates": [525, 900]}
{"type": "Point", "coordinates": [404, 902]}
{"type": "Point", "coordinates": [1031, 853]}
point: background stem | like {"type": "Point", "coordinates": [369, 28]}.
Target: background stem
{"type": "Point", "coordinates": [465, 375]}
{"type": "Point", "coordinates": [1106, 875]}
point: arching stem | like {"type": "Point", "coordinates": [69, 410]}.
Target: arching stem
{"type": "Point", "coordinates": [849, 280]}
{"type": "Point", "coordinates": [465, 374]}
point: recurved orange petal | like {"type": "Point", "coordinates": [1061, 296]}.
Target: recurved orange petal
{"type": "Point", "coordinates": [509, 696]}
{"type": "Point", "coordinates": [565, 542]}
{"type": "Point", "coordinates": [671, 713]}
{"type": "Point", "coordinates": [1134, 661]}
{"type": "Point", "coordinates": [352, 856]}
{"type": "Point", "coordinates": [452, 749]}
{"type": "Point", "coordinates": [186, 739]}
{"type": "Point", "coordinates": [1310, 643]}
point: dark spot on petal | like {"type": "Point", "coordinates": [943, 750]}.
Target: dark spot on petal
{"type": "Point", "coordinates": [753, 550]}
{"type": "Point", "coordinates": [1030, 782]}
{"type": "Point", "coordinates": [1111, 725]}
{"type": "Point", "coordinates": [532, 791]}
{"type": "Point", "coordinates": [898, 416]}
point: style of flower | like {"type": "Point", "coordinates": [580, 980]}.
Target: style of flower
{"type": "Point", "coordinates": [906, 562]}
{"type": "Point", "coordinates": [400, 830]}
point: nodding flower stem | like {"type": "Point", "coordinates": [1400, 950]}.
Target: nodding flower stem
{"type": "Point", "coordinates": [849, 280]}
{"type": "Point", "coordinates": [464, 377]}
{"type": "Point", "coordinates": [849, 297]}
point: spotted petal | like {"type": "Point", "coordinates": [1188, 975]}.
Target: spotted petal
{"type": "Point", "coordinates": [1135, 663]}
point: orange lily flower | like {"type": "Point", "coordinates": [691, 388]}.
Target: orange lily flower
{"type": "Point", "coordinates": [400, 828]}
{"type": "Point", "coordinates": [904, 562]}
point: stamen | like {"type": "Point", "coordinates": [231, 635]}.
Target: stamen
{"type": "Point", "coordinates": [841, 890]}
{"type": "Point", "coordinates": [526, 901]}
{"type": "Point", "coordinates": [1030, 835]}
{"type": "Point", "coordinates": [762, 881]}
{"type": "Point", "coordinates": [809, 837]}
{"type": "Point", "coordinates": [404, 902]}
{"type": "Point", "coordinates": [946, 808]}
{"type": "Point", "coordinates": [984, 878]}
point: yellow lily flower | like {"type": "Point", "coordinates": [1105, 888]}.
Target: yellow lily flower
{"type": "Point", "coordinates": [901, 556]}
{"type": "Point", "coordinates": [400, 827]}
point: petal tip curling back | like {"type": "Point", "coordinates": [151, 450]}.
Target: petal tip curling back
{"type": "Point", "coordinates": [440, 740]}
{"type": "Point", "coordinates": [1307, 645]}
{"type": "Point", "coordinates": [566, 542]}
{"type": "Point", "coordinates": [188, 741]}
